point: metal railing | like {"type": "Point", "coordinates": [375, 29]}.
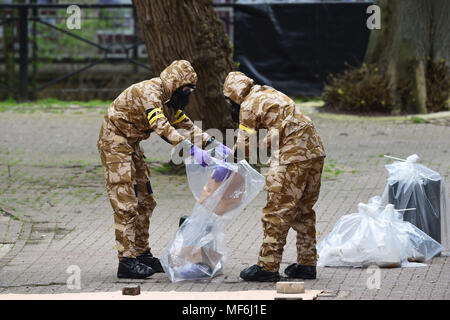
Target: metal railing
{"type": "Point", "coordinates": [27, 13]}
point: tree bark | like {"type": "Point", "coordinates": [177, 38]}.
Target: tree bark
{"type": "Point", "coordinates": [190, 30]}
{"type": "Point", "coordinates": [412, 32]}
{"type": "Point", "coordinates": [440, 40]}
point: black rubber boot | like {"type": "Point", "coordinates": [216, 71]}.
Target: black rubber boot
{"type": "Point", "coordinates": [255, 273]}
{"type": "Point", "coordinates": [150, 261]}
{"type": "Point", "coordinates": [131, 268]}
{"type": "Point", "coordinates": [298, 271]}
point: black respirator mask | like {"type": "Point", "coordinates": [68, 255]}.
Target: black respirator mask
{"type": "Point", "coordinates": [180, 98]}
{"type": "Point", "coordinates": [235, 109]}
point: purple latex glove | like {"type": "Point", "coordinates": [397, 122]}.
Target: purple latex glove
{"type": "Point", "coordinates": [201, 156]}
{"type": "Point", "coordinates": [225, 150]}
{"type": "Point", "coordinates": [220, 174]}
{"type": "Point", "coordinates": [194, 270]}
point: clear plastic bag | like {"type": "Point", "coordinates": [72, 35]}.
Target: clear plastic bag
{"type": "Point", "coordinates": [421, 191]}
{"type": "Point", "coordinates": [375, 235]}
{"type": "Point", "coordinates": [198, 249]}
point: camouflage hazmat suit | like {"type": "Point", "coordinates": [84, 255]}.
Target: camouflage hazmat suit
{"type": "Point", "coordinates": [295, 169]}
{"type": "Point", "coordinates": [137, 112]}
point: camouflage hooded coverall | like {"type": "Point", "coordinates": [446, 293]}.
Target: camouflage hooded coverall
{"type": "Point", "coordinates": [294, 177]}
{"type": "Point", "coordinates": [137, 112]}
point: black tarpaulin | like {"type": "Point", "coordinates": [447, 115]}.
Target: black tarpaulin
{"type": "Point", "coordinates": [294, 47]}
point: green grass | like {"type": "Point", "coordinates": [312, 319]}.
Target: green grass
{"type": "Point", "coordinates": [331, 169]}
{"type": "Point", "coordinates": [165, 168]}
{"type": "Point", "coordinates": [299, 100]}
{"type": "Point", "coordinates": [51, 105]}
{"type": "Point", "coordinates": [419, 120]}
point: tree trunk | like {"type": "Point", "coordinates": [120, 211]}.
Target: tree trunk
{"type": "Point", "coordinates": [412, 32]}
{"type": "Point", "coordinates": [190, 30]}
{"type": "Point", "coordinates": [440, 40]}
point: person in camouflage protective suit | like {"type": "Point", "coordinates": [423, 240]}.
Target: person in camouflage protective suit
{"type": "Point", "coordinates": [294, 177]}
{"type": "Point", "coordinates": [155, 105]}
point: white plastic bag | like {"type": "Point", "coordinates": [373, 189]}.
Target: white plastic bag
{"type": "Point", "coordinates": [198, 249]}
{"type": "Point", "coordinates": [411, 185]}
{"type": "Point", "coordinates": [375, 235]}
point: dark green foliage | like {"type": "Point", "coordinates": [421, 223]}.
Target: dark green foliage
{"type": "Point", "coordinates": [360, 90]}
{"type": "Point", "coordinates": [438, 87]}
{"type": "Point", "coordinates": [366, 90]}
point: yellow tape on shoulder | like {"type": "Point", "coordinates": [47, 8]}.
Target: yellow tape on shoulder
{"type": "Point", "coordinates": [156, 117]}
{"type": "Point", "coordinates": [179, 120]}
{"type": "Point", "coordinates": [150, 114]}
{"type": "Point", "coordinates": [241, 126]}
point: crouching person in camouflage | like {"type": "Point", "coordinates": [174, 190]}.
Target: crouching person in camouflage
{"type": "Point", "coordinates": [155, 105]}
{"type": "Point", "coordinates": [294, 177]}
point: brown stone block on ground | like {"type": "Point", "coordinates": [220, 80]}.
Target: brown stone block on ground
{"type": "Point", "coordinates": [131, 290]}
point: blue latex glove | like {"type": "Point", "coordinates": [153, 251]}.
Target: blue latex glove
{"type": "Point", "coordinates": [201, 156]}
{"type": "Point", "coordinates": [220, 174]}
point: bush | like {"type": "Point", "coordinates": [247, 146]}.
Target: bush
{"type": "Point", "coordinates": [438, 87]}
{"type": "Point", "coordinates": [366, 90]}
{"type": "Point", "coordinates": [358, 90]}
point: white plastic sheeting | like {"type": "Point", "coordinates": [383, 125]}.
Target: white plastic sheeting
{"type": "Point", "coordinates": [421, 191]}
{"type": "Point", "coordinates": [375, 235]}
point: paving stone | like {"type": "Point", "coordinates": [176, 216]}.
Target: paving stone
{"type": "Point", "coordinates": [55, 185]}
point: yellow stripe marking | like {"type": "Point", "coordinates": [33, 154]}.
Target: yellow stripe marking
{"type": "Point", "coordinates": [156, 117]}
{"type": "Point", "coordinates": [241, 126]}
{"type": "Point", "coordinates": [180, 119]}
{"type": "Point", "coordinates": [178, 113]}
{"type": "Point", "coordinates": [152, 112]}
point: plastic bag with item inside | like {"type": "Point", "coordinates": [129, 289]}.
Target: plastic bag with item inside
{"type": "Point", "coordinates": [375, 235]}
{"type": "Point", "coordinates": [198, 249]}
{"type": "Point", "coordinates": [421, 191]}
